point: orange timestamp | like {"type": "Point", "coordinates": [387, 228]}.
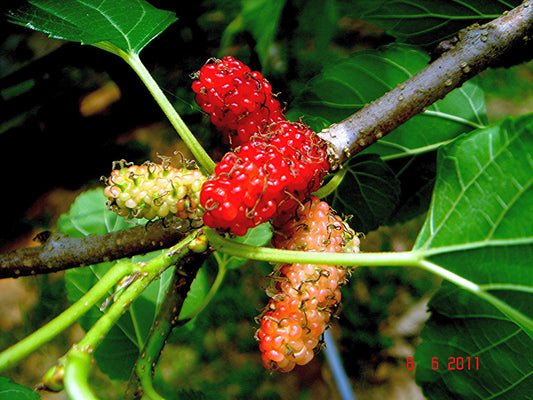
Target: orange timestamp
{"type": "Point", "coordinates": [451, 364]}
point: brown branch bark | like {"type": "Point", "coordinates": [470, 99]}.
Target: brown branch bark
{"type": "Point", "coordinates": [504, 41]}
{"type": "Point", "coordinates": [59, 251]}
{"type": "Point", "coordinates": [477, 48]}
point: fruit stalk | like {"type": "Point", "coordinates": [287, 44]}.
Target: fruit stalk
{"type": "Point", "coordinates": [183, 130]}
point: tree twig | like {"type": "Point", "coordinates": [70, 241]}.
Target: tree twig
{"type": "Point", "coordinates": [504, 41]}
{"type": "Point", "coordinates": [59, 251]}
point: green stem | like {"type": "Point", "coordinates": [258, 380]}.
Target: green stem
{"type": "Point", "coordinates": [141, 381]}
{"type": "Point", "coordinates": [332, 184]}
{"type": "Point", "coordinates": [142, 378]}
{"type": "Point", "coordinates": [233, 248]}
{"type": "Point", "coordinates": [406, 259]}
{"type": "Point", "coordinates": [506, 286]}
{"type": "Point", "coordinates": [53, 328]}
{"type": "Point", "coordinates": [183, 130]}
{"type": "Point", "coordinates": [76, 379]}
{"type": "Point", "coordinates": [147, 273]}
{"type": "Point", "coordinates": [149, 391]}
{"type": "Point", "coordinates": [77, 373]}
{"type": "Point", "coordinates": [449, 276]}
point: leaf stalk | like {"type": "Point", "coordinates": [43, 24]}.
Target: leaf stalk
{"type": "Point", "coordinates": [183, 130]}
{"type": "Point", "coordinates": [31, 343]}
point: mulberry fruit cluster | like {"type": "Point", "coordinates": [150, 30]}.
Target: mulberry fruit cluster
{"type": "Point", "coordinates": [264, 178]}
{"type": "Point", "coordinates": [304, 296]}
{"type": "Point", "coordinates": [238, 100]}
{"type": "Point", "coordinates": [154, 190]}
{"type": "Point", "coordinates": [274, 164]}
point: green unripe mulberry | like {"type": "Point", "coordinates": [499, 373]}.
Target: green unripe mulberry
{"type": "Point", "coordinates": [154, 190]}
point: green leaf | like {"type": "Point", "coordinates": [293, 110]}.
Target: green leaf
{"type": "Point", "coordinates": [416, 176]}
{"type": "Point", "coordinates": [13, 391]}
{"type": "Point", "coordinates": [345, 87]}
{"type": "Point", "coordinates": [320, 34]}
{"type": "Point", "coordinates": [430, 21]}
{"type": "Point", "coordinates": [369, 192]}
{"type": "Point", "coordinates": [89, 215]}
{"type": "Point", "coordinates": [128, 25]}
{"type": "Point", "coordinates": [491, 169]}
{"type": "Point", "coordinates": [261, 19]}
{"type": "Point", "coordinates": [479, 227]}
{"type": "Point", "coordinates": [196, 295]}
{"type": "Point", "coordinates": [118, 352]}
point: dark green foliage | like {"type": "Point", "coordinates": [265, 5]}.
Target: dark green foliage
{"type": "Point", "coordinates": [369, 192]}
{"type": "Point", "coordinates": [13, 391]}
{"type": "Point", "coordinates": [428, 22]}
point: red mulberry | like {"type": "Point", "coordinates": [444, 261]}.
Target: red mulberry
{"type": "Point", "coordinates": [264, 178]}
{"type": "Point", "coordinates": [304, 295]}
{"type": "Point", "coordinates": [239, 101]}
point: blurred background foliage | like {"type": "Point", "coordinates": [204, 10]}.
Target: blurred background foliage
{"type": "Point", "coordinates": [67, 112]}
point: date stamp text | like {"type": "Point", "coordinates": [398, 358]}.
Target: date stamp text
{"type": "Point", "coordinates": [450, 364]}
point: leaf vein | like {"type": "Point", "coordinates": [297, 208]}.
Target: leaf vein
{"type": "Point", "coordinates": [465, 187]}
{"type": "Point", "coordinates": [109, 19]}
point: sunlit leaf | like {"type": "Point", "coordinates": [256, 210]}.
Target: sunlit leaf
{"type": "Point", "coordinates": [89, 215]}
{"type": "Point", "coordinates": [128, 25]}
{"type": "Point", "coordinates": [479, 227]}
